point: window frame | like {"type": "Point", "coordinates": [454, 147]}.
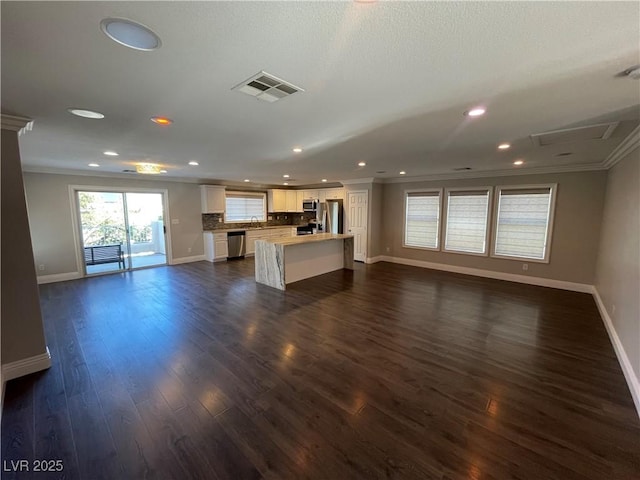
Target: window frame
{"type": "Point", "coordinates": [438, 192]}
{"type": "Point", "coordinates": [445, 219]}
{"type": "Point", "coordinates": [552, 209]}
{"type": "Point", "coordinates": [238, 193]}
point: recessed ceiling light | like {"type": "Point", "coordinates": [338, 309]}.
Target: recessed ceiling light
{"type": "Point", "coordinates": [285, 176]}
{"type": "Point", "coordinates": [79, 112]}
{"type": "Point", "coordinates": [503, 146]}
{"type": "Point", "coordinates": [111, 153]}
{"type": "Point", "coordinates": [247, 180]}
{"type": "Point", "coordinates": [403, 172]}
{"type": "Point", "coordinates": [130, 34]}
{"type": "Point", "coordinates": [361, 164]}
{"type": "Point", "coordinates": [285, 183]}
{"type": "Point", "coordinates": [518, 162]}
{"type": "Point", "coordinates": [193, 163]}
{"type": "Point", "coordinates": [297, 150]}
{"type": "Point", "coordinates": [162, 120]}
{"type": "Point", "coordinates": [163, 171]}
{"type": "Point", "coordinates": [94, 165]}
{"type": "Point", "coordinates": [475, 112]}
{"type": "Point", "coordinates": [324, 179]}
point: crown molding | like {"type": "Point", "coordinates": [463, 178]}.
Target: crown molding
{"type": "Point", "coordinates": [626, 146]}
{"type": "Point", "coordinates": [16, 124]}
{"type": "Point", "coordinates": [361, 180]}
{"type": "Point", "coordinates": [500, 173]}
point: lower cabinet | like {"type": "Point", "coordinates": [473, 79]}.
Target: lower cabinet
{"type": "Point", "coordinates": [252, 235]}
{"type": "Point", "coordinates": [215, 246]}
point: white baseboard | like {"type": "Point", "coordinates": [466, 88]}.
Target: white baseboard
{"type": "Point", "coordinates": [23, 367]}
{"type": "Point", "coordinates": [195, 258]}
{"type": "Point", "coordinates": [477, 272]}
{"type": "Point", "coordinates": [58, 277]}
{"type": "Point", "coordinates": [377, 259]}
{"type": "Point", "coordinates": [623, 359]}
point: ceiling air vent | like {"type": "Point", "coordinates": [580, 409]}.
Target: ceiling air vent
{"type": "Point", "coordinates": [601, 131]}
{"type": "Point", "coordinates": [461, 169]}
{"type": "Point", "coordinates": [128, 171]}
{"type": "Point", "coordinates": [266, 87]}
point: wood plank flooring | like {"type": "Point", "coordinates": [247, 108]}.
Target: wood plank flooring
{"type": "Point", "coordinates": [389, 371]}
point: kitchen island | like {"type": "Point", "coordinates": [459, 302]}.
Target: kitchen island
{"type": "Point", "coordinates": [283, 261]}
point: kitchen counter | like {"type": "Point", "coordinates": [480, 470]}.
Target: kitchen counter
{"type": "Point", "coordinates": [282, 261]}
{"type": "Point", "coordinates": [247, 229]}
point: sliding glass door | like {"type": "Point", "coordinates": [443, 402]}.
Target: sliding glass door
{"type": "Point", "coordinates": [121, 230]}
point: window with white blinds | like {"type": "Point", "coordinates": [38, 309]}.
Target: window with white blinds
{"type": "Point", "coordinates": [242, 206]}
{"type": "Point", "coordinates": [466, 223]}
{"type": "Point", "coordinates": [523, 222]}
{"type": "Point", "coordinates": [422, 219]}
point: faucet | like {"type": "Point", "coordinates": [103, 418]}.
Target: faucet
{"type": "Point", "coordinates": [251, 221]}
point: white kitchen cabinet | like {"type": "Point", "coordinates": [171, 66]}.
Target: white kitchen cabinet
{"type": "Point", "coordinates": [292, 205]}
{"type": "Point", "coordinates": [299, 199]}
{"type": "Point", "coordinates": [276, 200]}
{"type": "Point", "coordinates": [334, 193]}
{"type": "Point", "coordinates": [265, 234]}
{"type": "Point", "coordinates": [212, 198]}
{"type": "Point", "coordinates": [313, 194]}
{"type": "Point", "coordinates": [322, 195]}
{"type": "Point", "coordinates": [215, 246]}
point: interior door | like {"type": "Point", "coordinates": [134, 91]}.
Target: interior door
{"type": "Point", "coordinates": [357, 223]}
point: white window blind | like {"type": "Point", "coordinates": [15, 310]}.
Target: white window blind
{"type": "Point", "coordinates": [241, 206]}
{"type": "Point", "coordinates": [422, 218]}
{"type": "Point", "coordinates": [522, 223]}
{"type": "Point", "coordinates": [467, 213]}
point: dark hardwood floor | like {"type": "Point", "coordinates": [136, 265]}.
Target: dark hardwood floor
{"type": "Point", "coordinates": [197, 372]}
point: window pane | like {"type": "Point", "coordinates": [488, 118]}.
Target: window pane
{"type": "Point", "coordinates": [241, 208]}
{"type": "Point", "coordinates": [522, 225]}
{"type": "Point", "coordinates": [421, 221]}
{"type": "Point", "coordinates": [467, 221]}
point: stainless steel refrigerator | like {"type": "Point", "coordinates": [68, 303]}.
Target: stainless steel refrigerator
{"type": "Point", "coordinates": [332, 216]}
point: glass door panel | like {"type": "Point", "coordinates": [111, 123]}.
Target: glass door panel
{"type": "Point", "coordinates": [145, 218]}
{"type": "Point", "coordinates": [104, 231]}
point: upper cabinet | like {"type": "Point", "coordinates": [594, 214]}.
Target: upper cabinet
{"type": "Point", "coordinates": [291, 200]}
{"type": "Point", "coordinates": [212, 198]}
{"type": "Point", "coordinates": [333, 193]}
{"type": "Point", "coordinates": [276, 200]}
{"type": "Point", "coordinates": [292, 205]}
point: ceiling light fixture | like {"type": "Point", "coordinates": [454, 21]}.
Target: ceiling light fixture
{"type": "Point", "coordinates": [193, 163]}
{"type": "Point", "coordinates": [247, 180]}
{"type": "Point", "coordinates": [285, 183]}
{"type": "Point", "coordinates": [163, 171]}
{"type": "Point", "coordinates": [297, 150]}
{"type": "Point", "coordinates": [403, 172]}
{"type": "Point", "coordinates": [162, 120]}
{"type": "Point", "coordinates": [518, 162]}
{"type": "Point", "coordinates": [285, 176]}
{"type": "Point", "coordinates": [148, 169]}
{"type": "Point", "coordinates": [111, 153]}
{"type": "Point", "coordinates": [94, 165]}
{"type": "Point", "coordinates": [503, 146]}
{"type": "Point", "coordinates": [79, 112]}
{"type": "Point", "coordinates": [324, 180]}
{"type": "Point", "coordinates": [130, 34]}
{"type": "Point", "coordinates": [475, 112]}
{"type": "Point", "coordinates": [361, 164]}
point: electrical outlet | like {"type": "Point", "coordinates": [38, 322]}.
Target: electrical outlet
{"type": "Point", "coordinates": [189, 250]}
{"type": "Point", "coordinates": [175, 221]}
{"type": "Point", "coordinates": [270, 217]}
{"type": "Point", "coordinates": [285, 217]}
{"type": "Point", "coordinates": [388, 249]}
{"type": "Point", "coordinates": [41, 268]}
{"type": "Point", "coordinates": [301, 217]}
{"type": "Point", "coordinates": [219, 219]}
{"type": "Point", "coordinates": [525, 266]}
{"type": "Point", "coordinates": [613, 309]}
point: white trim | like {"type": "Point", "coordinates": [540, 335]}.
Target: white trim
{"type": "Point", "coordinates": [26, 366]}
{"type": "Point", "coordinates": [510, 277]}
{"type": "Point", "coordinates": [16, 124]}
{"type": "Point", "coordinates": [626, 146]}
{"type": "Point", "coordinates": [58, 277]}
{"type": "Point", "coordinates": [357, 181]}
{"type": "Point", "coordinates": [632, 380]}
{"type": "Point", "coordinates": [181, 260]}
{"type": "Point", "coordinates": [377, 259]}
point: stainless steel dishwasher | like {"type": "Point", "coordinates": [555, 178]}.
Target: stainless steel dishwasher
{"type": "Point", "coordinates": [236, 244]}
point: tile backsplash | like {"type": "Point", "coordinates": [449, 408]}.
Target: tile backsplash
{"type": "Point", "coordinates": [211, 221]}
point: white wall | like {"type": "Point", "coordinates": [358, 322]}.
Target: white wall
{"type": "Point", "coordinates": [52, 232]}
{"type": "Point", "coordinates": [617, 278]}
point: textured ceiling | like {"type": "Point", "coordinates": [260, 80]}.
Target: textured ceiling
{"type": "Point", "coordinates": [386, 83]}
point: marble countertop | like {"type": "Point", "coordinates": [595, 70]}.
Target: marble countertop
{"type": "Point", "coordinates": [248, 229]}
{"type": "Point", "coordinates": [319, 237]}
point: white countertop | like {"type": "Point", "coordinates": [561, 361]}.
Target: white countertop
{"type": "Point", "coordinates": [300, 239]}
{"type": "Point", "coordinates": [249, 229]}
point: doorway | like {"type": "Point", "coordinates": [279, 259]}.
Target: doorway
{"type": "Point", "coordinates": [358, 214]}
{"type": "Point", "coordinates": [121, 230]}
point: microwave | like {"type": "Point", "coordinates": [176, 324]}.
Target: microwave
{"type": "Point", "coordinates": [309, 205]}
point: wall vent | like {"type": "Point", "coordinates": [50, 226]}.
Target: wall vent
{"type": "Point", "coordinates": [601, 131]}
{"type": "Point", "coordinates": [267, 87]}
